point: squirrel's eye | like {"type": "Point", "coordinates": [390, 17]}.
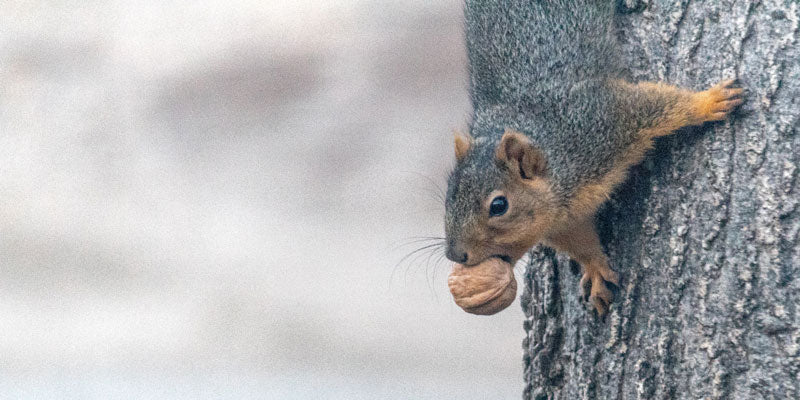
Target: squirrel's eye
{"type": "Point", "coordinates": [499, 206]}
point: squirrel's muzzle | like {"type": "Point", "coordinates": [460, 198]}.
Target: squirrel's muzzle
{"type": "Point", "coordinates": [456, 253]}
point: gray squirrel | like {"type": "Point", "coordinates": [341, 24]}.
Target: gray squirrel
{"type": "Point", "coordinates": [554, 129]}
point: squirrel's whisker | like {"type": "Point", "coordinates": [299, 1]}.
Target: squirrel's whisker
{"type": "Point", "coordinates": [439, 193]}
{"type": "Point", "coordinates": [408, 257]}
{"type": "Point", "coordinates": [415, 241]}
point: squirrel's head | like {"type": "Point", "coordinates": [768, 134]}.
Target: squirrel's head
{"type": "Point", "coordinates": [499, 199]}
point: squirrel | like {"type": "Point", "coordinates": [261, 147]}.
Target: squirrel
{"type": "Point", "coordinates": [554, 129]}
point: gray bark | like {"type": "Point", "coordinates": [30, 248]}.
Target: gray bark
{"type": "Point", "coordinates": [704, 233]}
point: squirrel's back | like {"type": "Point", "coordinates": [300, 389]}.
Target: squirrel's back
{"type": "Point", "coordinates": [541, 67]}
{"type": "Point", "coordinates": [523, 48]}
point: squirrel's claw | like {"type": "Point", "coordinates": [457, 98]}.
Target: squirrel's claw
{"type": "Point", "coordinates": [718, 101]}
{"type": "Point", "coordinates": [583, 287]}
{"type": "Point", "coordinates": [599, 304]}
{"type": "Point", "coordinates": [599, 295]}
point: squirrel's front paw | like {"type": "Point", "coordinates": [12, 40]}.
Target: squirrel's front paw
{"type": "Point", "coordinates": [599, 296]}
{"type": "Point", "coordinates": [717, 102]}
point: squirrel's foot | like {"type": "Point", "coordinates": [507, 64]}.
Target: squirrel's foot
{"type": "Point", "coordinates": [599, 296]}
{"type": "Point", "coordinates": [717, 102]}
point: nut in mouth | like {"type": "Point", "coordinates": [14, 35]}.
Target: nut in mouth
{"type": "Point", "coordinates": [485, 288]}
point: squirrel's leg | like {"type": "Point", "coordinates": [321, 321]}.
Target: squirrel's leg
{"type": "Point", "coordinates": [667, 108]}
{"type": "Point", "coordinates": [582, 244]}
{"type": "Point", "coordinates": [649, 110]}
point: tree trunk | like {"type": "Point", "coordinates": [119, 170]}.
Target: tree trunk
{"type": "Point", "coordinates": [704, 234]}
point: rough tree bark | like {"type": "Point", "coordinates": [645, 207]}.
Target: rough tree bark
{"type": "Point", "coordinates": [704, 233]}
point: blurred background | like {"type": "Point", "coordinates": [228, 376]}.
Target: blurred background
{"type": "Point", "coordinates": [212, 200]}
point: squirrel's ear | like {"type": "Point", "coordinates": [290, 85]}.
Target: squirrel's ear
{"type": "Point", "coordinates": [517, 151]}
{"type": "Point", "coordinates": [463, 143]}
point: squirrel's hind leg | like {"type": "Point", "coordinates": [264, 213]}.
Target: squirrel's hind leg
{"type": "Point", "coordinates": [659, 109]}
{"type": "Point", "coordinates": [582, 244]}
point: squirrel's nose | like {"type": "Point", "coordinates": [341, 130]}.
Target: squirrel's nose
{"type": "Point", "coordinates": [456, 254]}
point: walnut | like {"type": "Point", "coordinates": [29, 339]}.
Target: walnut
{"type": "Point", "coordinates": [483, 289]}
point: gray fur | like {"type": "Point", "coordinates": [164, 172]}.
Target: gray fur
{"type": "Point", "coordinates": [542, 68]}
